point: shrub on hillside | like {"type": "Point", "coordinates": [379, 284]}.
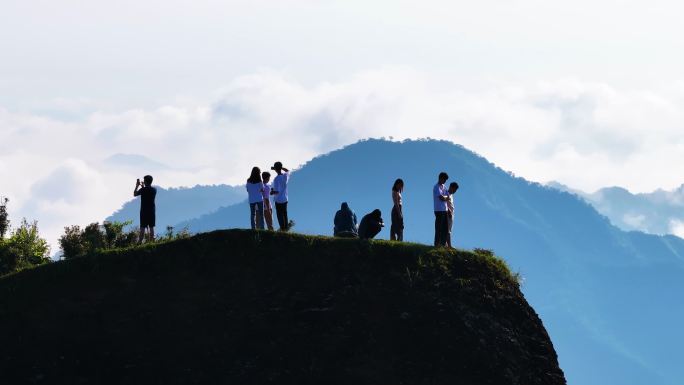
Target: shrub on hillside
{"type": "Point", "coordinates": [171, 234]}
{"type": "Point", "coordinates": [24, 248]}
{"type": "Point", "coordinates": [76, 243]}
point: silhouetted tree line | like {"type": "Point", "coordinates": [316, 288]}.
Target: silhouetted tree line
{"type": "Point", "coordinates": [77, 242]}
{"type": "Point", "coordinates": [23, 247]}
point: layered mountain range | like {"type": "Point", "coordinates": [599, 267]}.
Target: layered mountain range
{"type": "Point", "coordinates": [656, 212]}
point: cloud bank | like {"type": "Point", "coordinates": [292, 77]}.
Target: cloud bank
{"type": "Point", "coordinates": [61, 168]}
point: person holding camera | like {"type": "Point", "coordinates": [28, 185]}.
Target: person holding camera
{"type": "Point", "coordinates": [147, 194]}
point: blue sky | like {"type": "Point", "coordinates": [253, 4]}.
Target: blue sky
{"type": "Point", "coordinates": [589, 93]}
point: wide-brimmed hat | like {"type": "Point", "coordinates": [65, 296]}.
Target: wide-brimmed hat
{"type": "Point", "coordinates": [277, 166]}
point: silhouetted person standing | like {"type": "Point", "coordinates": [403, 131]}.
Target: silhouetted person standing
{"type": "Point", "coordinates": [345, 222]}
{"type": "Point", "coordinates": [371, 224]}
{"type": "Point", "coordinates": [440, 195]}
{"type": "Point", "coordinates": [397, 227]}
{"type": "Point", "coordinates": [453, 187]}
{"type": "Point", "coordinates": [255, 190]}
{"type": "Point", "coordinates": [280, 191]}
{"type": "Point", "coordinates": [147, 208]}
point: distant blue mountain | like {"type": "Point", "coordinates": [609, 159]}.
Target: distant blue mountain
{"type": "Point", "coordinates": [657, 212]}
{"type": "Point", "coordinates": [175, 205]}
{"type": "Point", "coordinates": [611, 300]}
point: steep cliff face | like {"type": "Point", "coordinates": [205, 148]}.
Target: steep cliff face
{"type": "Point", "coordinates": [259, 307]}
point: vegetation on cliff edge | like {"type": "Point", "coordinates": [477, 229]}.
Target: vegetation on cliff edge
{"type": "Point", "coordinates": [238, 306]}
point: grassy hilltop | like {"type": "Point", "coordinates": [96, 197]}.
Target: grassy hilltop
{"type": "Point", "coordinates": [246, 307]}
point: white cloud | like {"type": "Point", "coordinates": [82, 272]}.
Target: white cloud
{"type": "Point", "coordinates": [677, 228]}
{"type": "Point", "coordinates": [586, 135]}
{"type": "Point", "coordinates": [635, 221]}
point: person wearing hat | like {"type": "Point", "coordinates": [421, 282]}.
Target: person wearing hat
{"type": "Point", "coordinates": [279, 189]}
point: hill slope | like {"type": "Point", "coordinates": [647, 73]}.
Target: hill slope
{"type": "Point", "coordinates": [247, 307]}
{"type": "Point", "coordinates": [597, 288]}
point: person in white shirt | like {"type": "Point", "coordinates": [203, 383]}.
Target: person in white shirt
{"type": "Point", "coordinates": [255, 189]}
{"type": "Point", "coordinates": [280, 191]}
{"type": "Point", "coordinates": [453, 187]}
{"type": "Point", "coordinates": [440, 195]}
{"type": "Point", "coordinates": [268, 210]}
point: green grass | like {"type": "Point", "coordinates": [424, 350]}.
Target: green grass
{"type": "Point", "coordinates": [175, 252]}
{"type": "Point", "coordinates": [240, 306]}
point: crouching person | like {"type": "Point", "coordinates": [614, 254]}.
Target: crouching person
{"type": "Point", "coordinates": [371, 224]}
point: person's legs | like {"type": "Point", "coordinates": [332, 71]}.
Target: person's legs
{"type": "Point", "coordinates": [450, 222]}
{"type": "Point", "coordinates": [400, 228]}
{"type": "Point", "coordinates": [279, 215]}
{"type": "Point", "coordinates": [143, 224]}
{"type": "Point", "coordinates": [286, 220]}
{"type": "Point", "coordinates": [395, 224]}
{"type": "Point", "coordinates": [268, 217]}
{"type": "Point", "coordinates": [441, 226]}
{"type": "Point", "coordinates": [374, 231]}
{"type": "Point", "coordinates": [141, 235]}
{"type": "Point", "coordinates": [260, 215]}
{"type": "Point", "coordinates": [151, 221]}
{"type": "Point", "coordinates": [444, 227]}
{"type": "Point", "coordinates": [252, 215]}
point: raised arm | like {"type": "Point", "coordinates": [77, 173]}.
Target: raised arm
{"type": "Point", "coordinates": [136, 192]}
